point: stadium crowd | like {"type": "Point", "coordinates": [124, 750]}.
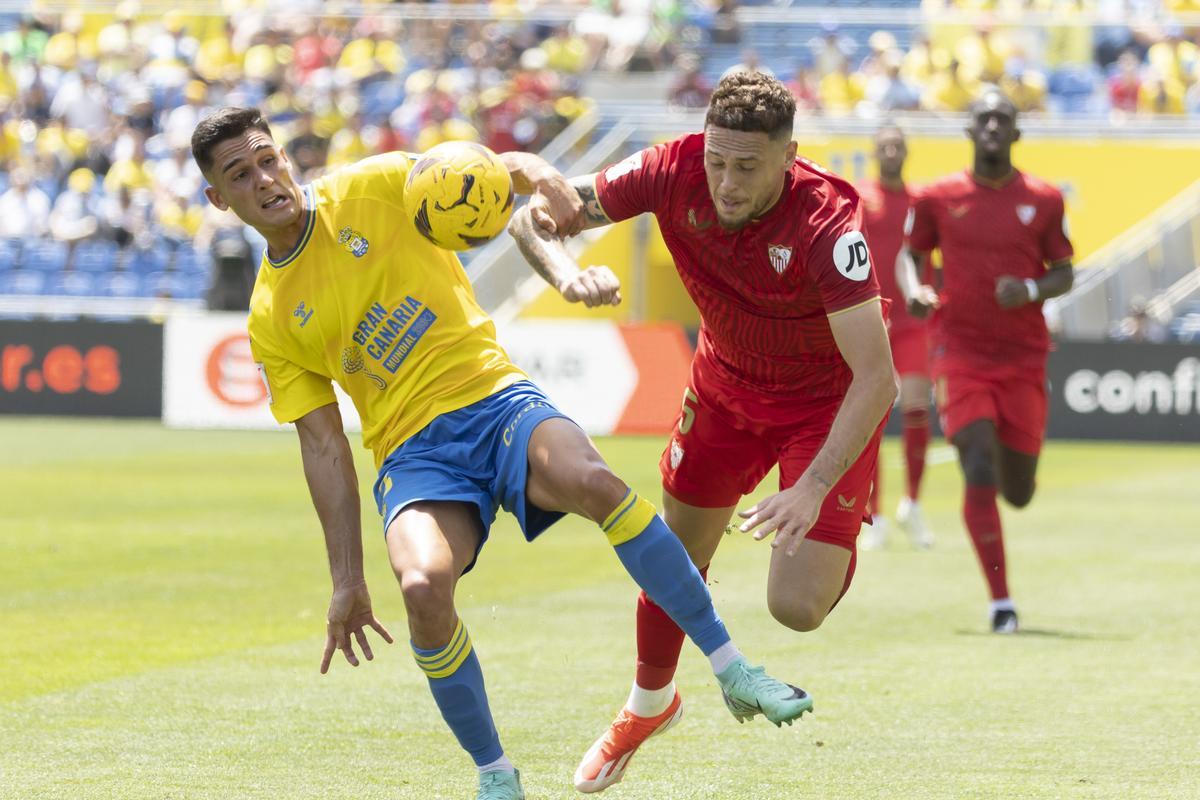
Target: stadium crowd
{"type": "Point", "coordinates": [96, 109]}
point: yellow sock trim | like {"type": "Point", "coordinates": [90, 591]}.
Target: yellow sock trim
{"type": "Point", "coordinates": [446, 661]}
{"type": "Point", "coordinates": [628, 519]}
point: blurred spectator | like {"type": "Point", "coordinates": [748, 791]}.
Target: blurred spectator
{"type": "Point", "coordinates": [182, 120]}
{"type": "Point", "coordinates": [1159, 96]}
{"type": "Point", "coordinates": [888, 91]}
{"type": "Point", "coordinates": [1139, 326]}
{"type": "Point", "coordinates": [306, 148]}
{"type": "Point", "coordinates": [831, 50]}
{"type": "Point", "coordinates": [805, 88]}
{"type": "Point", "coordinates": [750, 63]}
{"type": "Point", "coordinates": [841, 90]}
{"type": "Point", "coordinates": [26, 43]}
{"type": "Point", "coordinates": [233, 267]}
{"type": "Point", "coordinates": [24, 208]}
{"type": "Point", "coordinates": [127, 216]}
{"type": "Point", "coordinates": [133, 173]}
{"type": "Point", "coordinates": [1025, 87]}
{"type": "Point", "coordinates": [981, 56]}
{"type": "Point", "coordinates": [81, 102]}
{"type": "Point", "coordinates": [689, 88]}
{"type": "Point", "coordinates": [565, 52]}
{"type": "Point", "coordinates": [1174, 58]}
{"type": "Point", "coordinates": [948, 91]}
{"type": "Point", "coordinates": [1124, 86]}
{"type": "Point", "coordinates": [75, 217]}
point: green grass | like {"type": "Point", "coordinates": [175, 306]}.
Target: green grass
{"type": "Point", "coordinates": [161, 621]}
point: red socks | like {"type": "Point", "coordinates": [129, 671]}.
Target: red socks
{"type": "Point", "coordinates": [915, 432]}
{"type": "Point", "coordinates": [659, 641]}
{"type": "Point", "coordinates": [982, 517]}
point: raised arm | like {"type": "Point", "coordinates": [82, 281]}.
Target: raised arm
{"type": "Point", "coordinates": [560, 207]}
{"type": "Point", "coordinates": [333, 484]}
{"type": "Point", "coordinates": [546, 252]}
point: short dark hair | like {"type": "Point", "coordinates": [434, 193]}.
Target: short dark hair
{"type": "Point", "coordinates": [223, 124]}
{"type": "Point", "coordinates": [753, 102]}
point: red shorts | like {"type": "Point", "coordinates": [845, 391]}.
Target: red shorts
{"type": "Point", "coordinates": [727, 439]}
{"type": "Point", "coordinates": [1012, 397]}
{"type": "Point", "coordinates": [910, 350]}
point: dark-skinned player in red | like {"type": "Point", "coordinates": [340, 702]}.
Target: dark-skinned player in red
{"type": "Point", "coordinates": [1004, 251]}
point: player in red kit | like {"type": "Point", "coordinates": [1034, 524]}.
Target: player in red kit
{"type": "Point", "coordinates": [1004, 250]}
{"type": "Point", "coordinates": [886, 201]}
{"type": "Point", "coordinates": [792, 367]}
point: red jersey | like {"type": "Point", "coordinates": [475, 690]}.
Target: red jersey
{"type": "Point", "coordinates": [884, 211]}
{"type": "Point", "coordinates": [985, 231]}
{"type": "Point", "coordinates": [764, 291]}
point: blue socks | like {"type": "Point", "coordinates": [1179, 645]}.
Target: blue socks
{"type": "Point", "coordinates": [656, 559]}
{"type": "Point", "coordinates": [456, 681]}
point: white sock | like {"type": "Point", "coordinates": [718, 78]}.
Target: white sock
{"type": "Point", "coordinates": [650, 702]}
{"type": "Point", "coordinates": [501, 764]}
{"type": "Point", "coordinates": [1003, 604]}
{"type": "Point", "coordinates": [723, 657]}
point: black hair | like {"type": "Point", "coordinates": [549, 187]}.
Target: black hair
{"type": "Point", "coordinates": [227, 123]}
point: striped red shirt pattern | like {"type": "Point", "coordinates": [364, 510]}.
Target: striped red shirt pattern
{"type": "Point", "coordinates": [763, 291]}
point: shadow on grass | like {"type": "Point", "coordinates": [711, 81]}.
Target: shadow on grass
{"type": "Point", "coordinates": [1049, 634]}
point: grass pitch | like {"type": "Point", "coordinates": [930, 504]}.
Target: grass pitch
{"type": "Point", "coordinates": [162, 598]}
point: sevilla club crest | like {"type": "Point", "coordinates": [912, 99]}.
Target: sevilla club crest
{"type": "Point", "coordinates": [1026, 213]}
{"type": "Point", "coordinates": [781, 257]}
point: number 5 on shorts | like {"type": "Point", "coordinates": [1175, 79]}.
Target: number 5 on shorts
{"type": "Point", "coordinates": [688, 411]}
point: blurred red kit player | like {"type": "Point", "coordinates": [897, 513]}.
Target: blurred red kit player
{"type": "Point", "coordinates": [792, 367]}
{"type": "Point", "coordinates": [1004, 250]}
{"type": "Point", "coordinates": [886, 202]}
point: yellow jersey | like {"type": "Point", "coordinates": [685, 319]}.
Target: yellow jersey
{"type": "Point", "coordinates": [364, 300]}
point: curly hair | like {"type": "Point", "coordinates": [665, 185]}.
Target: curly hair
{"type": "Point", "coordinates": [753, 102]}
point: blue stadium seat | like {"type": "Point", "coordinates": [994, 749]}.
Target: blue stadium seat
{"type": "Point", "coordinates": [146, 262]}
{"type": "Point", "coordinates": [95, 256]}
{"type": "Point", "coordinates": [22, 282]}
{"type": "Point", "coordinates": [71, 284]}
{"type": "Point", "coordinates": [44, 255]}
{"type": "Point", "coordinates": [165, 284]}
{"type": "Point", "coordinates": [118, 284]}
{"type": "Point", "coordinates": [191, 262]}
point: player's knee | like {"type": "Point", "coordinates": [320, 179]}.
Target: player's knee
{"type": "Point", "coordinates": [428, 594]}
{"type": "Point", "coordinates": [799, 614]}
{"type": "Point", "coordinates": [1019, 496]}
{"type": "Point", "coordinates": [600, 489]}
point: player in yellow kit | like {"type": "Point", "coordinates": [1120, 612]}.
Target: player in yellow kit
{"type": "Point", "coordinates": [349, 291]}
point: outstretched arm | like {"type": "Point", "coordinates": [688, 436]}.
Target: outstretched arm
{"type": "Point", "coordinates": [329, 471]}
{"type": "Point", "coordinates": [862, 339]}
{"type": "Point", "coordinates": [546, 252]}
{"type": "Point", "coordinates": [561, 208]}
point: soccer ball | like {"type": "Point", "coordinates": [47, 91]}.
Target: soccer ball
{"type": "Point", "coordinates": [459, 195]}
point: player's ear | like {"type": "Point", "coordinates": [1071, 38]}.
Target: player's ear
{"type": "Point", "coordinates": [791, 152]}
{"type": "Point", "coordinates": [215, 198]}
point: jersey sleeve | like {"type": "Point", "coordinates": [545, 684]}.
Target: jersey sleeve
{"type": "Point", "coordinates": [920, 226]}
{"type": "Point", "coordinates": [292, 391]}
{"type": "Point", "coordinates": [637, 184]}
{"type": "Point", "coordinates": [380, 177]}
{"type": "Point", "coordinates": [839, 261]}
{"type": "Point", "coordinates": [1055, 244]}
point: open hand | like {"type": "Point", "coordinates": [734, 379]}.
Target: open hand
{"type": "Point", "coordinates": [923, 302]}
{"type": "Point", "coordinates": [349, 613]}
{"type": "Point", "coordinates": [594, 286]}
{"type": "Point", "coordinates": [790, 514]}
{"type": "Point", "coordinates": [556, 207]}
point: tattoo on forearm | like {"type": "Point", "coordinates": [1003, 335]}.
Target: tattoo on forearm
{"type": "Point", "coordinates": [539, 249]}
{"type": "Point", "coordinates": [593, 214]}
